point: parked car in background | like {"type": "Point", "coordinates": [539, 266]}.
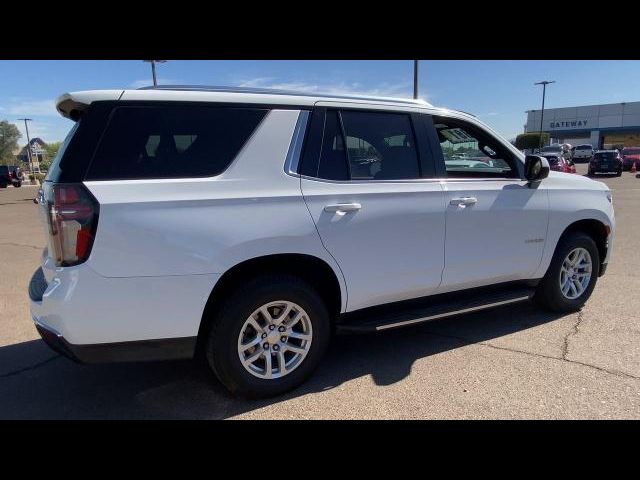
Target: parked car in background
{"type": "Point", "coordinates": [583, 153]}
{"type": "Point", "coordinates": [557, 148]}
{"type": "Point", "coordinates": [567, 147]}
{"type": "Point", "coordinates": [244, 227]}
{"type": "Point", "coordinates": [10, 175]}
{"type": "Point", "coordinates": [630, 155]}
{"type": "Point", "coordinates": [558, 163]}
{"type": "Point", "coordinates": [606, 161]}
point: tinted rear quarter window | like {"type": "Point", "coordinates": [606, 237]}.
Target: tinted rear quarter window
{"type": "Point", "coordinates": [145, 142]}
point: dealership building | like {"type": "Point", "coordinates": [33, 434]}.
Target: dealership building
{"type": "Point", "coordinates": [612, 125]}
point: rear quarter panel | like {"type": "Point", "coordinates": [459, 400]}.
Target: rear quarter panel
{"type": "Point", "coordinates": [207, 225]}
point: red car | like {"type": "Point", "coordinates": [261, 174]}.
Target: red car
{"type": "Point", "coordinates": [629, 156]}
{"type": "Point", "coordinates": [560, 164]}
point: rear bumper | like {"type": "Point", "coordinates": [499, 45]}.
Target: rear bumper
{"type": "Point", "coordinates": [142, 351]}
{"type": "Point", "coordinates": [94, 319]}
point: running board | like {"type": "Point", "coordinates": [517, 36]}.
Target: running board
{"type": "Point", "coordinates": [403, 314]}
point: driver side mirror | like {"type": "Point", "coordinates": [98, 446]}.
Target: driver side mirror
{"type": "Point", "coordinates": [535, 168]}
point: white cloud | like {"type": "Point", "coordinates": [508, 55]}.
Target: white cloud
{"type": "Point", "coordinates": [32, 108]}
{"type": "Point", "coordinates": [147, 82]}
{"type": "Point", "coordinates": [385, 89]}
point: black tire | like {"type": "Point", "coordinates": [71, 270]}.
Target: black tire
{"type": "Point", "coordinates": [222, 349]}
{"type": "Point", "coordinates": [548, 293]}
{"type": "Point", "coordinates": [3, 185]}
{"type": "Point", "coordinates": [17, 185]}
{"type": "Point", "coordinates": [619, 174]}
{"type": "Point", "coordinates": [589, 173]}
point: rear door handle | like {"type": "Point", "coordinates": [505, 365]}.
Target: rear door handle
{"type": "Point", "coordinates": [343, 207]}
{"type": "Point", "coordinates": [463, 201]}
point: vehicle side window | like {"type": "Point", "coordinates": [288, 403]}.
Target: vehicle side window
{"type": "Point", "coordinates": [172, 141]}
{"type": "Point", "coordinates": [469, 152]}
{"type": "Point", "coordinates": [333, 156]}
{"type": "Point", "coordinates": [380, 146]}
{"type": "Point", "coordinates": [368, 146]}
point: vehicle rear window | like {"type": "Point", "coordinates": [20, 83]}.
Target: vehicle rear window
{"type": "Point", "coordinates": [172, 141]}
{"type": "Point", "coordinates": [631, 151]}
{"type": "Point", "coordinates": [605, 156]}
{"type": "Point", "coordinates": [54, 168]}
{"type": "Point", "coordinates": [584, 147]}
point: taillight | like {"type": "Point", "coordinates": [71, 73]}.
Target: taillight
{"type": "Point", "coordinates": [72, 218]}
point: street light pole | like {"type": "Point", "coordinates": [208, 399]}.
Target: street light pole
{"type": "Point", "coordinates": [415, 79]}
{"type": "Point", "coordinates": [153, 69]}
{"type": "Point", "coordinates": [544, 84]}
{"type": "Point", "coordinates": [26, 127]}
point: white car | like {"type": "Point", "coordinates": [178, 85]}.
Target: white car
{"type": "Point", "coordinates": [243, 227]}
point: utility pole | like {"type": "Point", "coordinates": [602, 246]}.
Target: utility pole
{"type": "Point", "coordinates": [415, 79]}
{"type": "Point", "coordinates": [153, 69]}
{"type": "Point", "coordinates": [544, 84]}
{"type": "Point", "coordinates": [26, 127]}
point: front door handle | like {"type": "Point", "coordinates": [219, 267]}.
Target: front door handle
{"type": "Point", "coordinates": [343, 207]}
{"type": "Point", "coordinates": [463, 201]}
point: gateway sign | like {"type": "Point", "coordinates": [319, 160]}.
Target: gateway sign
{"type": "Point", "coordinates": [569, 124]}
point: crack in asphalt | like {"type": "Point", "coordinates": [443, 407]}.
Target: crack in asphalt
{"type": "Point", "coordinates": [540, 355]}
{"type": "Point", "coordinates": [21, 245]}
{"type": "Point", "coordinates": [29, 368]}
{"type": "Point", "coordinates": [570, 333]}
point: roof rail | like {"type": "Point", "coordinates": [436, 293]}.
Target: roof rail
{"type": "Point", "coordinates": [270, 91]}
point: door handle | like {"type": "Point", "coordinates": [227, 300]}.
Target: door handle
{"type": "Point", "coordinates": [463, 201]}
{"type": "Point", "coordinates": [343, 207]}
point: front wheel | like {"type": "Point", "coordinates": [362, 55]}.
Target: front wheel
{"type": "Point", "coordinates": [619, 174]}
{"type": "Point", "coordinates": [572, 274]}
{"type": "Point", "coordinates": [17, 184]}
{"type": "Point", "coordinates": [269, 336]}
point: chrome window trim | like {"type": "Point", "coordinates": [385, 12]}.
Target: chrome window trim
{"type": "Point", "coordinates": [414, 180]}
{"type": "Point", "coordinates": [292, 162]}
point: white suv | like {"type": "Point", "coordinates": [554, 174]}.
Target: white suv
{"type": "Point", "coordinates": [244, 227]}
{"type": "Point", "coordinates": [583, 152]}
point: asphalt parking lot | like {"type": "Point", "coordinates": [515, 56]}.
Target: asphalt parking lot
{"type": "Point", "coordinates": [510, 362]}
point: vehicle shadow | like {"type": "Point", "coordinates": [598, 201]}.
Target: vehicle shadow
{"type": "Point", "coordinates": [35, 383]}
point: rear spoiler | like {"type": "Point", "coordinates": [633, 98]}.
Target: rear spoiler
{"type": "Point", "coordinates": [71, 105]}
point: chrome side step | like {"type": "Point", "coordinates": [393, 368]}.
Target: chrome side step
{"type": "Point", "coordinates": [449, 314]}
{"type": "Point", "coordinates": [403, 314]}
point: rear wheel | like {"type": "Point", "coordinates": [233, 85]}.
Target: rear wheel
{"type": "Point", "coordinates": [268, 337]}
{"type": "Point", "coordinates": [572, 274]}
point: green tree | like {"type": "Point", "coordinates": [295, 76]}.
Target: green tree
{"type": "Point", "coordinates": [9, 136]}
{"type": "Point", "coordinates": [51, 150]}
{"type": "Point", "coordinates": [531, 140]}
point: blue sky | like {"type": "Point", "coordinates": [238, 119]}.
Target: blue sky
{"type": "Point", "coordinates": [498, 92]}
